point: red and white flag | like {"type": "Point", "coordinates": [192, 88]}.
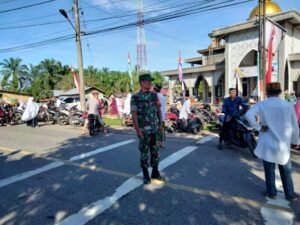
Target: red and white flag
{"type": "Point", "coordinates": [180, 75]}
{"type": "Point", "coordinates": [76, 81]}
{"type": "Point", "coordinates": [274, 36]}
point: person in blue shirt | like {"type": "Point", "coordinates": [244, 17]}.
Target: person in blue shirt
{"type": "Point", "coordinates": [231, 105]}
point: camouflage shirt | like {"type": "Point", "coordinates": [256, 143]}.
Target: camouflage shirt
{"type": "Point", "coordinates": [146, 105]}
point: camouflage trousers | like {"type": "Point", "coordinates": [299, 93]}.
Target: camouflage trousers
{"type": "Point", "coordinates": [149, 144]}
{"type": "Point", "coordinates": [162, 134]}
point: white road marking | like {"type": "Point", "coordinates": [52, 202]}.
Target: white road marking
{"type": "Point", "coordinates": [50, 166]}
{"type": "Point", "coordinates": [206, 139]}
{"type": "Point", "coordinates": [277, 217]}
{"type": "Point", "coordinates": [88, 213]}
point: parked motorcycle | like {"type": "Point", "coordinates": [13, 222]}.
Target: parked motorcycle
{"type": "Point", "coordinates": [63, 115]}
{"type": "Point", "coordinates": [76, 120]}
{"type": "Point", "coordinates": [17, 116]}
{"type": "Point", "coordinates": [44, 116]}
{"type": "Point", "coordinates": [204, 113]}
{"type": "Point", "coordinates": [172, 120]}
{"type": "Point", "coordinates": [241, 134]}
{"type": "Point", "coordinates": [193, 125]}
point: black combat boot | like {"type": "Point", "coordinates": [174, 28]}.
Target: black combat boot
{"type": "Point", "coordinates": [146, 179]}
{"type": "Point", "coordinates": [156, 175]}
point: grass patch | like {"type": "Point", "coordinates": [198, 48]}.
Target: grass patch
{"type": "Point", "coordinates": [210, 126]}
{"type": "Point", "coordinates": [113, 121]}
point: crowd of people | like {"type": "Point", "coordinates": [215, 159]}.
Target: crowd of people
{"type": "Point", "coordinates": [277, 120]}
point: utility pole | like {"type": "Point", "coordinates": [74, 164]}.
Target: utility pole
{"type": "Point", "coordinates": [79, 56]}
{"type": "Point", "coordinates": [262, 48]}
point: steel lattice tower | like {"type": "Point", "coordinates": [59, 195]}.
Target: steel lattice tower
{"type": "Point", "coordinates": [141, 39]}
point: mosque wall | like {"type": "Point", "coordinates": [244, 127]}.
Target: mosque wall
{"type": "Point", "coordinates": [238, 45]}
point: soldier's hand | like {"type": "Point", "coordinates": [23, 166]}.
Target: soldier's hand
{"type": "Point", "coordinates": [140, 134]}
{"type": "Point", "coordinates": [161, 128]}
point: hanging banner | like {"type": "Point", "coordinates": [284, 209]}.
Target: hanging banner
{"type": "Point", "coordinates": [273, 32]}
{"type": "Point", "coordinates": [180, 75]}
{"type": "Point", "coordinates": [274, 36]}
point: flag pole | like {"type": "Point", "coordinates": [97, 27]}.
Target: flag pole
{"type": "Point", "coordinates": [180, 76]}
{"type": "Point", "coordinates": [264, 51]}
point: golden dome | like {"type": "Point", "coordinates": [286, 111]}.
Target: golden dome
{"type": "Point", "coordinates": [271, 8]}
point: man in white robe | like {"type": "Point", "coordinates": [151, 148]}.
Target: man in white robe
{"type": "Point", "coordinates": [278, 132]}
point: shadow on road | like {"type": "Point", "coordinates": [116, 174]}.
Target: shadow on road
{"type": "Point", "coordinates": [51, 196]}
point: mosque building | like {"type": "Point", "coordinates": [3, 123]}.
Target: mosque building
{"type": "Point", "coordinates": [233, 50]}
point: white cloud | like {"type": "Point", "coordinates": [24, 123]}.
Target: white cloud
{"type": "Point", "coordinates": [127, 5]}
{"type": "Point", "coordinates": [113, 4]}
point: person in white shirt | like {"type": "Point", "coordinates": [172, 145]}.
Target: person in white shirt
{"type": "Point", "coordinates": [162, 99]}
{"type": "Point", "coordinates": [58, 103]}
{"type": "Point", "coordinates": [127, 109]}
{"type": "Point", "coordinates": [185, 111]}
{"type": "Point", "coordinates": [278, 132]}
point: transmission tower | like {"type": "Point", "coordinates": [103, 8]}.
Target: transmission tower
{"type": "Point", "coordinates": [141, 40]}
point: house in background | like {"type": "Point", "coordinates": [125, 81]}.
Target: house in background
{"type": "Point", "coordinates": [11, 97]}
{"type": "Point", "coordinates": [72, 95]}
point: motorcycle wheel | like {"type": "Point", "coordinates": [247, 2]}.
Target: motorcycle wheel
{"type": "Point", "coordinates": [174, 125]}
{"type": "Point", "coordinates": [169, 130]}
{"type": "Point", "coordinates": [15, 120]}
{"type": "Point", "coordinates": [61, 122]}
{"type": "Point", "coordinates": [49, 120]}
{"type": "Point", "coordinates": [78, 123]}
{"type": "Point", "coordinates": [195, 131]}
{"type": "Point", "coordinates": [92, 132]}
{"type": "Point", "coordinates": [252, 145]}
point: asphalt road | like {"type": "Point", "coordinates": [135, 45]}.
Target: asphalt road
{"type": "Point", "coordinates": [52, 175]}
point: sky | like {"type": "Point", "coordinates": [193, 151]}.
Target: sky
{"type": "Point", "coordinates": [164, 39]}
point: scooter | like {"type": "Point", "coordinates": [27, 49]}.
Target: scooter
{"type": "Point", "coordinates": [241, 134]}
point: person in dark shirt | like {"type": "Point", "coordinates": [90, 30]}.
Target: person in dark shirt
{"type": "Point", "coordinates": [230, 106]}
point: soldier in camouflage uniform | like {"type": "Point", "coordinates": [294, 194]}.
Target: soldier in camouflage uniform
{"type": "Point", "coordinates": [146, 115]}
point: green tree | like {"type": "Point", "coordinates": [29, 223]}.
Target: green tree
{"type": "Point", "coordinates": [14, 74]}
{"type": "Point", "coordinates": [48, 75]}
{"type": "Point", "coordinates": [158, 78]}
{"type": "Point", "coordinates": [51, 72]}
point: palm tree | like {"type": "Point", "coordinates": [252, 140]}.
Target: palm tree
{"type": "Point", "coordinates": [52, 71]}
{"type": "Point", "coordinates": [91, 77]}
{"type": "Point", "coordinates": [14, 74]}
{"type": "Point", "coordinates": [34, 72]}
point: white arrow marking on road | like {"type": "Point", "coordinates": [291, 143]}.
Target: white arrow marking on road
{"type": "Point", "coordinates": [277, 217]}
{"type": "Point", "coordinates": [88, 213]}
{"type": "Point", "coordinates": [50, 166]}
